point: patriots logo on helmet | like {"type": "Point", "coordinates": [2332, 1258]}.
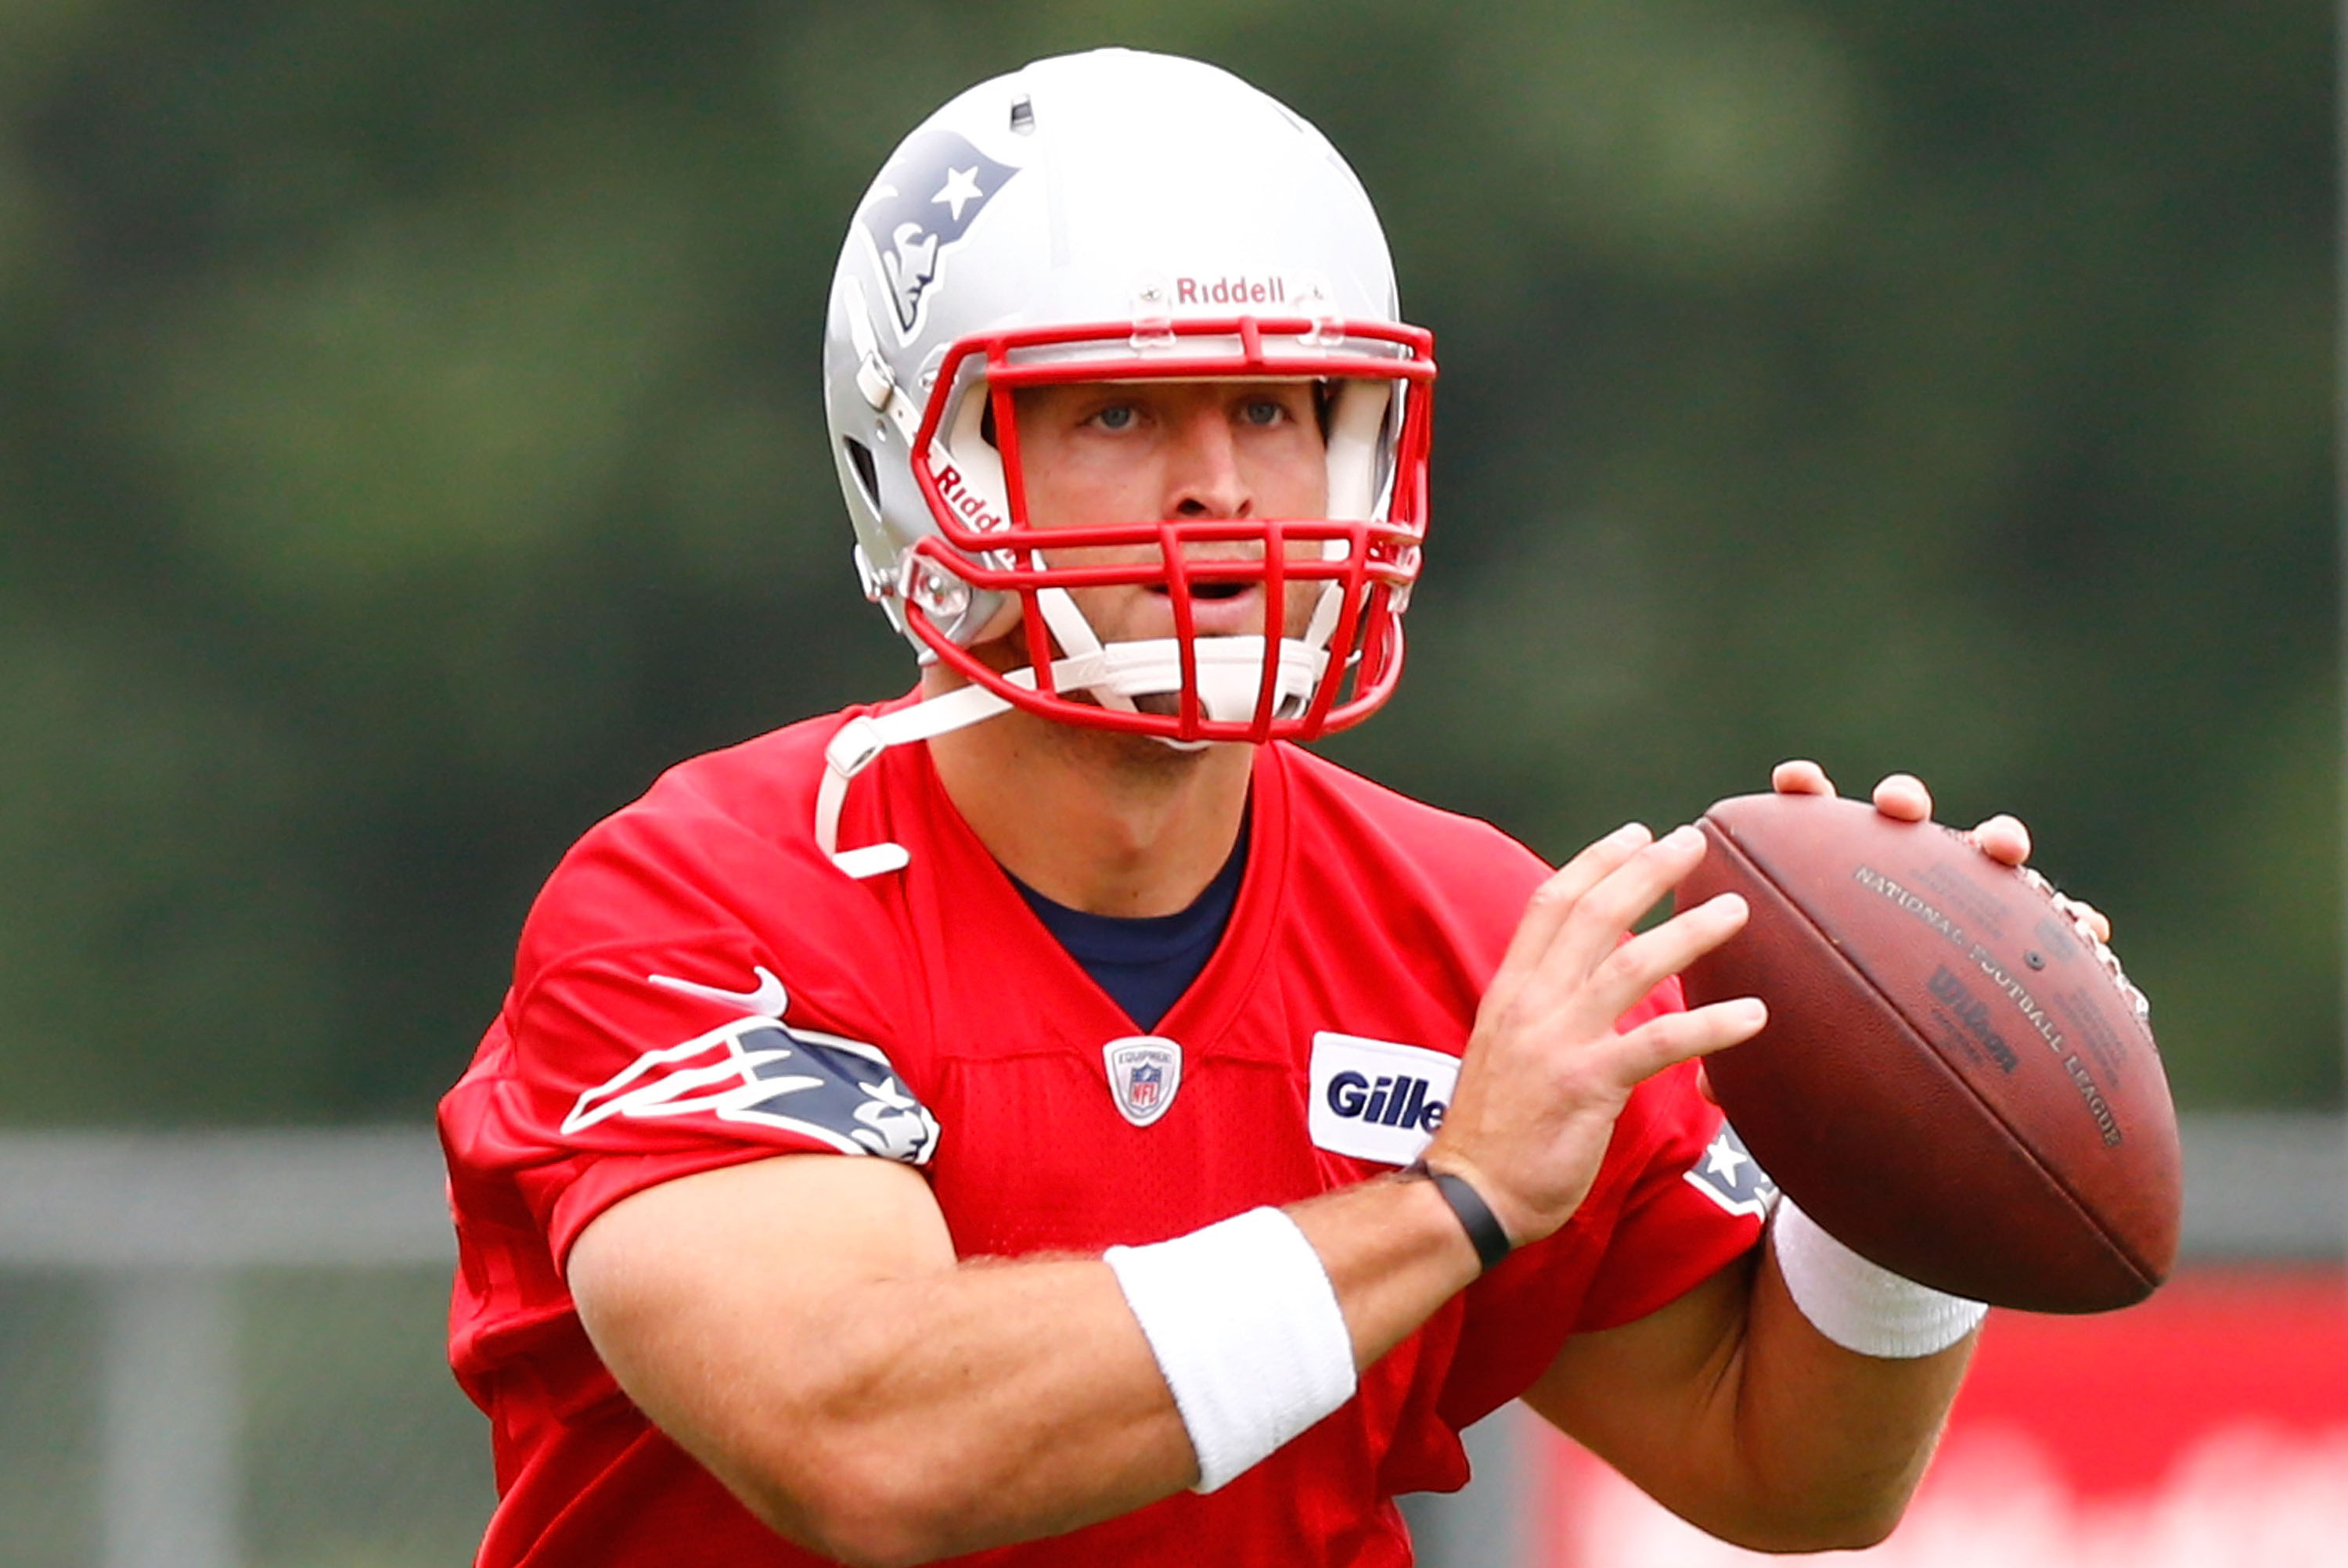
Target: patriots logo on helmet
{"type": "Point", "coordinates": [920, 208]}
{"type": "Point", "coordinates": [1729, 1176]}
{"type": "Point", "coordinates": [837, 1091]}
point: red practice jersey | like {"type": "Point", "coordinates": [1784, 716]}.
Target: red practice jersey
{"type": "Point", "coordinates": [699, 985]}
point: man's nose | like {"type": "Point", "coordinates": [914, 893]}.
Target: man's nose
{"type": "Point", "coordinates": [1203, 478]}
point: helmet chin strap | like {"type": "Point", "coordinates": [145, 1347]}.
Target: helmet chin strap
{"type": "Point", "coordinates": [1078, 640]}
{"type": "Point", "coordinates": [1229, 671]}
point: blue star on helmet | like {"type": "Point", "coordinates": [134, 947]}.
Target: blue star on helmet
{"type": "Point", "coordinates": [961, 187]}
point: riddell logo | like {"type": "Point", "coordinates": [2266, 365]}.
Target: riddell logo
{"type": "Point", "coordinates": [966, 502]}
{"type": "Point", "coordinates": [1239, 290]}
{"type": "Point", "coordinates": [1390, 1102]}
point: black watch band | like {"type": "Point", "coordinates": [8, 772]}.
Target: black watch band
{"type": "Point", "coordinates": [1475, 1215]}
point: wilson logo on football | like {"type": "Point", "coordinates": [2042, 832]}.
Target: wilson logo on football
{"type": "Point", "coordinates": [838, 1091]}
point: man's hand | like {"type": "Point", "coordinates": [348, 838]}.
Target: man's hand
{"type": "Point", "coordinates": [1545, 1074]}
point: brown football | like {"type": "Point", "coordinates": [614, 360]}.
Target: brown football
{"type": "Point", "coordinates": [1952, 1081]}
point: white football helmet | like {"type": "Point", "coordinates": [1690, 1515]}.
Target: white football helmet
{"type": "Point", "coordinates": [1117, 216]}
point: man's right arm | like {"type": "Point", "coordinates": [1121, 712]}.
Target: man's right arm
{"type": "Point", "coordinates": [801, 1325]}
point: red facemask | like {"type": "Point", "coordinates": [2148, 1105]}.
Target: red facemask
{"type": "Point", "coordinates": [1256, 688]}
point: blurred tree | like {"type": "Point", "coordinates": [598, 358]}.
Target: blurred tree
{"type": "Point", "coordinates": [411, 444]}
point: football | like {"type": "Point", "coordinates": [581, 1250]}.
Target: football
{"type": "Point", "coordinates": [1954, 1082]}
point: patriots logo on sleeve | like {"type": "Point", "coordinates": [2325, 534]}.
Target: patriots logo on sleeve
{"type": "Point", "coordinates": [837, 1091]}
{"type": "Point", "coordinates": [1727, 1174]}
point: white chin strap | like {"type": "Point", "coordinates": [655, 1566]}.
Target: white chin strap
{"type": "Point", "coordinates": [1230, 679]}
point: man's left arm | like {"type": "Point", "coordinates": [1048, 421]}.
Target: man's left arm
{"type": "Point", "coordinates": [1731, 1409]}
{"type": "Point", "coordinates": [1730, 1406]}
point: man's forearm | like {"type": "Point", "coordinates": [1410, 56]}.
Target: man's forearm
{"type": "Point", "coordinates": [1026, 1395]}
{"type": "Point", "coordinates": [967, 1405]}
{"type": "Point", "coordinates": [1837, 1438]}
{"type": "Point", "coordinates": [1732, 1409]}
{"type": "Point", "coordinates": [993, 1403]}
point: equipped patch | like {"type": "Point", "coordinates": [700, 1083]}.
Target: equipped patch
{"type": "Point", "coordinates": [1145, 1073]}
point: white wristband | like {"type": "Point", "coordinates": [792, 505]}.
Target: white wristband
{"type": "Point", "coordinates": [1246, 1332]}
{"type": "Point", "coordinates": [1861, 1306]}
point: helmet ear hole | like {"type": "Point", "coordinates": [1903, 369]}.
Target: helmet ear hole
{"type": "Point", "coordinates": [866, 471]}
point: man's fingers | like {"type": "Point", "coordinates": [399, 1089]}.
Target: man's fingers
{"type": "Point", "coordinates": [2004, 839]}
{"type": "Point", "coordinates": [1603, 915]}
{"type": "Point", "coordinates": [2086, 916]}
{"type": "Point", "coordinates": [1555, 901]}
{"type": "Point", "coordinates": [1674, 1037]}
{"type": "Point", "coordinates": [1635, 967]}
{"type": "Point", "coordinates": [1800, 776]}
{"type": "Point", "coordinates": [1904, 797]}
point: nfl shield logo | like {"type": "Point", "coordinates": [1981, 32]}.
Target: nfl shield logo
{"type": "Point", "coordinates": [1144, 1073]}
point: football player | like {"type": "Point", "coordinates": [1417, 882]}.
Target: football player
{"type": "Point", "coordinates": [1051, 1111]}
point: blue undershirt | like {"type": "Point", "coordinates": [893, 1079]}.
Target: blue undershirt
{"type": "Point", "coordinates": [1146, 964]}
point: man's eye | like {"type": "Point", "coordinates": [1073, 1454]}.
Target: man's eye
{"type": "Point", "coordinates": [1115, 416]}
{"type": "Point", "coordinates": [1262, 411]}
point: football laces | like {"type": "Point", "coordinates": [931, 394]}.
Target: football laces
{"type": "Point", "coordinates": [2075, 912]}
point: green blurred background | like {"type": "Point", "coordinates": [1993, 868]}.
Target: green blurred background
{"type": "Point", "coordinates": [410, 443]}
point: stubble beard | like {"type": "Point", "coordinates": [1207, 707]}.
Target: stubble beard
{"type": "Point", "coordinates": [1144, 759]}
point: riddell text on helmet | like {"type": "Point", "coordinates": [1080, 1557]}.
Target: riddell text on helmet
{"type": "Point", "coordinates": [1239, 290]}
{"type": "Point", "coordinates": [969, 503]}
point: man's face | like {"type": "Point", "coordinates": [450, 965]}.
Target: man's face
{"type": "Point", "coordinates": [1099, 451]}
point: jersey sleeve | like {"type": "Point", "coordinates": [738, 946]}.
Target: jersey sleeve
{"type": "Point", "coordinates": [1676, 1229]}
{"type": "Point", "coordinates": [658, 1028]}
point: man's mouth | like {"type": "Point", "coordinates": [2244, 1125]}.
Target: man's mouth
{"type": "Point", "coordinates": [1212, 589]}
